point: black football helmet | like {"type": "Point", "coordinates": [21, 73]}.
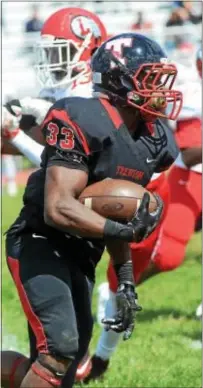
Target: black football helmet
{"type": "Point", "coordinates": [133, 70]}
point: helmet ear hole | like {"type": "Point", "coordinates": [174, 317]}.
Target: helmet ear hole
{"type": "Point", "coordinates": [127, 82]}
{"type": "Point", "coordinates": [114, 81]}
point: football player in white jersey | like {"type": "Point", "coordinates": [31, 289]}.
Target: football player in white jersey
{"type": "Point", "coordinates": [68, 39]}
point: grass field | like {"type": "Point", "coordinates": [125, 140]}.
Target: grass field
{"type": "Point", "coordinates": [160, 353]}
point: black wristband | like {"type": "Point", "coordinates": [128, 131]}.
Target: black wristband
{"type": "Point", "coordinates": [124, 272]}
{"type": "Point", "coordinates": [120, 231]}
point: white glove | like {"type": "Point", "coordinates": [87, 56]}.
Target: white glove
{"type": "Point", "coordinates": [35, 107]}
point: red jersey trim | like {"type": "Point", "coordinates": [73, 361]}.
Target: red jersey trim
{"type": "Point", "coordinates": [112, 112]}
{"type": "Point", "coordinates": [63, 116]}
{"type": "Point", "coordinates": [150, 127]}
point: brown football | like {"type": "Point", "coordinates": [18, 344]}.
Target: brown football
{"type": "Point", "coordinates": [115, 198]}
{"type": "Point", "coordinates": [13, 361]}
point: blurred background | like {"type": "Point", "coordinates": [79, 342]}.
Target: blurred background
{"type": "Point", "coordinates": [176, 25]}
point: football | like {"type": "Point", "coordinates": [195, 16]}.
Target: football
{"type": "Point", "coordinates": [13, 361]}
{"type": "Point", "coordinates": [115, 198]}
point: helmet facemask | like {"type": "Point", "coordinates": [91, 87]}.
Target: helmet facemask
{"type": "Point", "coordinates": [59, 62]}
{"type": "Point", "coordinates": [152, 93]}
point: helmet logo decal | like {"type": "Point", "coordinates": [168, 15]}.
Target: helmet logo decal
{"type": "Point", "coordinates": [117, 46]}
{"type": "Point", "coordinates": [82, 25]}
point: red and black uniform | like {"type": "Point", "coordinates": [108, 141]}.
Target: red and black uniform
{"type": "Point", "coordinates": [54, 270]}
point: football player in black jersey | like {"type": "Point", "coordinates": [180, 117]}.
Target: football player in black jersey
{"type": "Point", "coordinates": [55, 243]}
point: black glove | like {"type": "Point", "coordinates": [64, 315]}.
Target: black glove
{"type": "Point", "coordinates": [127, 306]}
{"type": "Point", "coordinates": [141, 226]}
{"type": "Point", "coordinates": [126, 299]}
{"type": "Point", "coordinates": [147, 221]}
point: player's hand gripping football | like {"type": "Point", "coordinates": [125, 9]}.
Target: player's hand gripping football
{"type": "Point", "coordinates": [127, 306]}
{"type": "Point", "coordinates": [144, 222]}
{"type": "Point", "coordinates": [140, 226]}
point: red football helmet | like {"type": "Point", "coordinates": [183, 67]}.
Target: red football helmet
{"type": "Point", "coordinates": [68, 39]}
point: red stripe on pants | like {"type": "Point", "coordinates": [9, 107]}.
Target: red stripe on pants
{"type": "Point", "coordinates": [32, 318]}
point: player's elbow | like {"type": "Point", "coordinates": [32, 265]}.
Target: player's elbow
{"type": "Point", "coordinates": [54, 215]}
{"type": "Point", "coordinates": [50, 215]}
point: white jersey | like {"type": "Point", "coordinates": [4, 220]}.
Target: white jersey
{"type": "Point", "coordinates": [38, 108]}
{"type": "Point", "coordinates": [78, 89]}
{"type": "Point", "coordinates": [192, 108]}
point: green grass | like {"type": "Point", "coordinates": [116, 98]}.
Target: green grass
{"type": "Point", "coordinates": [159, 353]}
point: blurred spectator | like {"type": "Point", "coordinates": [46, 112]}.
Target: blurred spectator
{"type": "Point", "coordinates": [185, 10]}
{"type": "Point", "coordinates": [182, 14]}
{"type": "Point", "coordinates": [185, 4]}
{"type": "Point", "coordinates": [178, 17]}
{"type": "Point", "coordinates": [140, 23]}
{"type": "Point", "coordinates": [34, 24]}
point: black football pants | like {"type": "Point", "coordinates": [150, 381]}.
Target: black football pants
{"type": "Point", "coordinates": [56, 298]}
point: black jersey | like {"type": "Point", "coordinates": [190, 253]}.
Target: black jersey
{"type": "Point", "coordinates": [89, 134]}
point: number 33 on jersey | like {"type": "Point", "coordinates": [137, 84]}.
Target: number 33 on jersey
{"type": "Point", "coordinates": [65, 134]}
{"type": "Point", "coordinates": [61, 133]}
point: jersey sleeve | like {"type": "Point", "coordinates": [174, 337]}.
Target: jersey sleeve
{"type": "Point", "coordinates": [66, 144]}
{"type": "Point", "coordinates": [188, 133]}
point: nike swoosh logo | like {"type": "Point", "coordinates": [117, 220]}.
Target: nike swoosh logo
{"type": "Point", "coordinates": [82, 368]}
{"type": "Point", "coordinates": [34, 235]}
{"type": "Point", "coordinates": [150, 160]}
